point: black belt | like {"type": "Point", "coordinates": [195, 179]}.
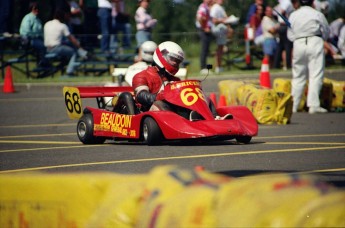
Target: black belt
{"type": "Point", "coordinates": [306, 38]}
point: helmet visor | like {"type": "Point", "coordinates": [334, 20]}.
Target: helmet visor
{"type": "Point", "coordinates": [174, 60]}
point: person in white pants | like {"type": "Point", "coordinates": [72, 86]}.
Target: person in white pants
{"type": "Point", "coordinates": [309, 29]}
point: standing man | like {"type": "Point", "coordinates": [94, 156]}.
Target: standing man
{"type": "Point", "coordinates": [204, 24]}
{"type": "Point", "coordinates": [309, 30]}
{"type": "Point", "coordinates": [104, 15]}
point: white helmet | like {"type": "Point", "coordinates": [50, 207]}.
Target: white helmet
{"type": "Point", "coordinates": [147, 49]}
{"type": "Point", "coordinates": [168, 56]}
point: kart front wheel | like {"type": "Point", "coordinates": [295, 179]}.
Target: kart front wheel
{"type": "Point", "coordinates": [152, 134]}
{"type": "Point", "coordinates": [244, 139]}
{"type": "Point", "coordinates": [85, 131]}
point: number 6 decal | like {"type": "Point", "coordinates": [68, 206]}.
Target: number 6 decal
{"type": "Point", "coordinates": [73, 102]}
{"type": "Point", "coordinates": [189, 97]}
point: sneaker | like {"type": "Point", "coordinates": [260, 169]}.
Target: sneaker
{"type": "Point", "coordinates": [313, 110]}
{"type": "Point", "coordinates": [194, 116]}
{"type": "Point", "coordinates": [204, 72]}
{"type": "Point", "coordinates": [225, 117]}
{"type": "Point", "coordinates": [219, 70]}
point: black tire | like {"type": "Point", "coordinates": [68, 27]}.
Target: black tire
{"type": "Point", "coordinates": [244, 139]}
{"type": "Point", "coordinates": [85, 130]}
{"type": "Point", "coordinates": [151, 132]}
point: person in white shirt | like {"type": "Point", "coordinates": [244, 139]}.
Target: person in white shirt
{"type": "Point", "coordinates": [270, 29]}
{"type": "Point", "coordinates": [309, 29]}
{"type": "Point", "coordinates": [54, 33]}
{"type": "Point", "coordinates": [220, 30]}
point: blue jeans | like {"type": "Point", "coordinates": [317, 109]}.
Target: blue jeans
{"type": "Point", "coordinates": [125, 28]}
{"type": "Point", "coordinates": [142, 36]}
{"type": "Point", "coordinates": [68, 53]}
{"type": "Point", "coordinates": [104, 15]}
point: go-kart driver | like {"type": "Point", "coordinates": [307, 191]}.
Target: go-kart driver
{"type": "Point", "coordinates": [149, 84]}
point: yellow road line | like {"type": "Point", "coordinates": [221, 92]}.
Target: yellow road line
{"type": "Point", "coordinates": [171, 158]}
{"type": "Point", "coordinates": [36, 142]}
{"type": "Point", "coordinates": [298, 136]}
{"type": "Point", "coordinates": [304, 143]}
{"type": "Point", "coordinates": [39, 125]}
{"type": "Point", "coordinates": [51, 148]}
{"type": "Point", "coordinates": [31, 99]}
{"type": "Point", "coordinates": [28, 136]}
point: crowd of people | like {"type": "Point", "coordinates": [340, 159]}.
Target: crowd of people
{"type": "Point", "coordinates": [59, 35]}
{"type": "Point", "coordinates": [267, 29]}
{"type": "Point", "coordinates": [292, 34]}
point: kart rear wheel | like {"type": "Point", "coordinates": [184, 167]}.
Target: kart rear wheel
{"type": "Point", "coordinates": [85, 130]}
{"type": "Point", "coordinates": [244, 139]}
{"type": "Point", "coordinates": [152, 134]}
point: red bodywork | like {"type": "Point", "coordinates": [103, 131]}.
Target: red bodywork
{"type": "Point", "coordinates": [187, 94]}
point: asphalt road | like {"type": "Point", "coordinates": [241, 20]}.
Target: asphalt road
{"type": "Point", "coordinates": [36, 134]}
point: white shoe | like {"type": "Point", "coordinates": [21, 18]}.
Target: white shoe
{"type": "Point", "coordinates": [313, 110]}
{"type": "Point", "coordinates": [204, 72]}
{"type": "Point", "coordinates": [219, 70]}
{"type": "Point", "coordinates": [225, 117]}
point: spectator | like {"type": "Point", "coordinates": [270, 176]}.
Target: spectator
{"type": "Point", "coordinates": [77, 18]}
{"type": "Point", "coordinates": [309, 28]}
{"type": "Point", "coordinates": [335, 27]}
{"type": "Point", "coordinates": [121, 23]}
{"type": "Point", "coordinates": [270, 29]}
{"type": "Point", "coordinates": [144, 24]}
{"type": "Point", "coordinates": [54, 33]}
{"type": "Point", "coordinates": [204, 24]}
{"type": "Point", "coordinates": [284, 51]}
{"type": "Point", "coordinates": [252, 10]}
{"type": "Point", "coordinates": [5, 16]}
{"type": "Point", "coordinates": [104, 15]}
{"type": "Point", "coordinates": [220, 30]}
{"type": "Point", "coordinates": [255, 24]}
{"type": "Point", "coordinates": [90, 28]}
{"type": "Point", "coordinates": [31, 31]}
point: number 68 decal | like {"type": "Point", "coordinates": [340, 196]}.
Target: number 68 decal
{"type": "Point", "coordinates": [73, 102]}
{"type": "Point", "coordinates": [189, 96]}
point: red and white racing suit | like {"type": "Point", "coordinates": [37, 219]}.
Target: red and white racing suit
{"type": "Point", "coordinates": [148, 84]}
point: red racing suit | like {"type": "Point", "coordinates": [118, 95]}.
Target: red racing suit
{"type": "Point", "coordinates": [148, 83]}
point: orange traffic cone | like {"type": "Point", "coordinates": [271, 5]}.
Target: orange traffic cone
{"type": "Point", "coordinates": [199, 168]}
{"type": "Point", "coordinates": [213, 98]}
{"type": "Point", "coordinates": [222, 101]}
{"type": "Point", "coordinates": [265, 80]}
{"type": "Point", "coordinates": [8, 82]}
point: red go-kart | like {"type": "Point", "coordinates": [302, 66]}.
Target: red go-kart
{"type": "Point", "coordinates": [96, 125]}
